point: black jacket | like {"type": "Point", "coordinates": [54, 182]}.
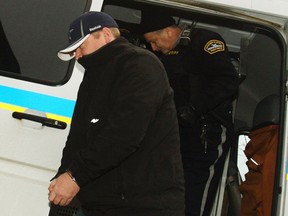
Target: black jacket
{"type": "Point", "coordinates": [202, 75]}
{"type": "Point", "coordinates": [123, 146]}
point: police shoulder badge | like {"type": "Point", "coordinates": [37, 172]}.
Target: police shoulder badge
{"type": "Point", "coordinates": [214, 46]}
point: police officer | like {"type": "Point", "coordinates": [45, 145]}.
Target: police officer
{"type": "Point", "coordinates": [205, 83]}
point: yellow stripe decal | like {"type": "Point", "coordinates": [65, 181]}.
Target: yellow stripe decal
{"type": "Point", "coordinates": [14, 108]}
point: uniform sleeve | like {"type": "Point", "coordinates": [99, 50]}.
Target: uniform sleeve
{"type": "Point", "coordinates": [136, 96]}
{"type": "Point", "coordinates": [213, 73]}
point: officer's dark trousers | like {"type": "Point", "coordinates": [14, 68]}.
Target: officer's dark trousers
{"type": "Point", "coordinates": [203, 165]}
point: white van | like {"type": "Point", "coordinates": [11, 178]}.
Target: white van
{"type": "Point", "coordinates": [38, 91]}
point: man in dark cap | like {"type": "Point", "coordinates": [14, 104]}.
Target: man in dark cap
{"type": "Point", "coordinates": [205, 83]}
{"type": "Point", "coordinates": [122, 155]}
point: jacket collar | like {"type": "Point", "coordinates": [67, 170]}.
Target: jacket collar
{"type": "Point", "coordinates": [102, 55]}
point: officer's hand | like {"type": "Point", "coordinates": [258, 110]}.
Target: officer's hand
{"type": "Point", "coordinates": [186, 116]}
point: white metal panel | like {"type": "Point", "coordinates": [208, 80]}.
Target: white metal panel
{"type": "Point", "coordinates": [283, 197]}
{"type": "Point", "coordinates": [29, 152]}
{"type": "Point", "coordinates": [278, 7]}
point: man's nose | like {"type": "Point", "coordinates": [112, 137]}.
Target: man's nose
{"type": "Point", "coordinates": [78, 53]}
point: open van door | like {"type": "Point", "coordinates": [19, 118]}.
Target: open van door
{"type": "Point", "coordinates": [257, 43]}
{"type": "Point", "coordinates": [37, 97]}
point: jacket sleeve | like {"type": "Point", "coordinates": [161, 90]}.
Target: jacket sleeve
{"type": "Point", "coordinates": [135, 97]}
{"type": "Point", "coordinates": [213, 73]}
{"type": "Point", "coordinates": [68, 152]}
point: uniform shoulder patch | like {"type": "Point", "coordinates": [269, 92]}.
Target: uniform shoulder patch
{"type": "Point", "coordinates": [214, 46]}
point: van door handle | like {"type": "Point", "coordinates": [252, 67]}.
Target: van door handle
{"type": "Point", "coordinates": [43, 120]}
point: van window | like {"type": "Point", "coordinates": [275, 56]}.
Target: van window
{"type": "Point", "coordinates": [30, 39]}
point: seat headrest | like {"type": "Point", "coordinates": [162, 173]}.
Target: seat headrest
{"type": "Point", "coordinates": [267, 111]}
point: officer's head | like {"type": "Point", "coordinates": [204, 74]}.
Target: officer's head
{"type": "Point", "coordinates": [159, 30]}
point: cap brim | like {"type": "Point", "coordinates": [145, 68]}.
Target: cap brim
{"type": "Point", "coordinates": [66, 54]}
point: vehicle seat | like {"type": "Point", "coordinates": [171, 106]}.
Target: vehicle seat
{"type": "Point", "coordinates": [261, 151]}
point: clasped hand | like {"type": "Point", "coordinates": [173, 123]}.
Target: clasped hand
{"type": "Point", "coordinates": [62, 190]}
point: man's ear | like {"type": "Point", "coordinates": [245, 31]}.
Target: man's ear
{"type": "Point", "coordinates": [107, 34]}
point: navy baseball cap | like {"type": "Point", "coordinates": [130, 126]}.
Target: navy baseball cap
{"type": "Point", "coordinates": [81, 28]}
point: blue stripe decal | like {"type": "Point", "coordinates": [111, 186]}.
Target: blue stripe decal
{"type": "Point", "coordinates": [36, 101]}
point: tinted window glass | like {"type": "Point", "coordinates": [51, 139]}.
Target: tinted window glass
{"type": "Point", "coordinates": [31, 36]}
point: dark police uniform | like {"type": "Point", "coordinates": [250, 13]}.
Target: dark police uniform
{"type": "Point", "coordinates": [205, 83]}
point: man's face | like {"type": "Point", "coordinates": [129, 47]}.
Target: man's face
{"type": "Point", "coordinates": [90, 45]}
{"type": "Point", "coordinates": [159, 40]}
